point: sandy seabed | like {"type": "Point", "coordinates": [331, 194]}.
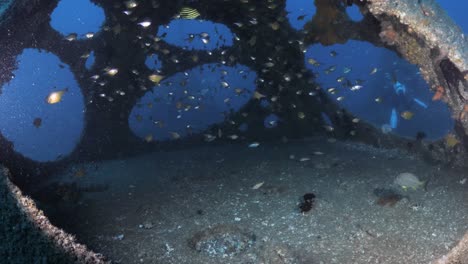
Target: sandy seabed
{"type": "Point", "coordinates": [199, 205]}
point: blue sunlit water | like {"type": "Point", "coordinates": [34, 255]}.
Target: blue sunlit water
{"type": "Point", "coordinates": [354, 13]}
{"type": "Point", "coordinates": [153, 62]}
{"type": "Point", "coordinates": [378, 86]}
{"type": "Point", "coordinates": [24, 99]}
{"type": "Point", "coordinates": [77, 16]}
{"type": "Point", "coordinates": [90, 60]}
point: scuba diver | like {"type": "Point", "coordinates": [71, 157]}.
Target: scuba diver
{"type": "Point", "coordinates": [402, 103]}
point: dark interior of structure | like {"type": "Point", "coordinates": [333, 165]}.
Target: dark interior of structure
{"type": "Point", "coordinates": [107, 135]}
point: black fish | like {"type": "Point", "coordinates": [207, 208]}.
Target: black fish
{"type": "Point", "coordinates": [37, 122]}
{"type": "Point", "coordinates": [308, 203]}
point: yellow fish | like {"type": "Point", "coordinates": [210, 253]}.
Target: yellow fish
{"type": "Point", "coordinates": [189, 13]}
{"type": "Point", "coordinates": [451, 140]}
{"type": "Point", "coordinates": [174, 135]}
{"type": "Point", "coordinates": [149, 138]}
{"type": "Point", "coordinates": [407, 115]}
{"type": "Point", "coordinates": [56, 97]}
{"type": "Point", "coordinates": [156, 78]}
{"type": "Point", "coordinates": [312, 61]}
{"type": "Point", "coordinates": [275, 25]}
{"type": "Point", "coordinates": [258, 95]}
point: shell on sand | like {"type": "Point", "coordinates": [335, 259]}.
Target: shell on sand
{"type": "Point", "coordinates": [408, 180]}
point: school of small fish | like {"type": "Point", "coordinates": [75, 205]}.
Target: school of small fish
{"type": "Point", "coordinates": [343, 75]}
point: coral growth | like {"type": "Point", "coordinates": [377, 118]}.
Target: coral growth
{"type": "Point", "coordinates": [388, 35]}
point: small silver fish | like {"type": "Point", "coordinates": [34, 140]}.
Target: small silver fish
{"type": "Point", "coordinates": [330, 69]}
{"type": "Point", "coordinates": [71, 37]}
{"type": "Point", "coordinates": [340, 79]}
{"type": "Point", "coordinates": [254, 145]}
{"type": "Point", "coordinates": [209, 138]}
{"type": "Point", "coordinates": [224, 84]}
{"type": "Point", "coordinates": [145, 23]}
{"type": "Point", "coordinates": [356, 87]}
{"type": "Point", "coordinates": [258, 185]}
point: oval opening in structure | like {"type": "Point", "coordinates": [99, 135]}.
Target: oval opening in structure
{"type": "Point", "coordinates": [78, 17]}
{"type": "Point", "coordinates": [42, 107]}
{"type": "Point", "coordinates": [382, 89]}
{"type": "Point", "coordinates": [152, 62]}
{"type": "Point", "coordinates": [190, 102]}
{"type": "Point", "coordinates": [300, 12]}
{"type": "Point", "coordinates": [196, 34]}
{"type": "Point", "coordinates": [354, 13]}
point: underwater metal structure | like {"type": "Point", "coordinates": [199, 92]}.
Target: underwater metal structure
{"type": "Point", "coordinates": [411, 29]}
{"type": "Point", "coordinates": [419, 31]}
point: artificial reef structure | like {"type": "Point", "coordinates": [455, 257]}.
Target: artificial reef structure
{"type": "Point", "coordinates": [419, 31]}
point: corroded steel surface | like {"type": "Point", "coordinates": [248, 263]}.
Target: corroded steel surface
{"type": "Point", "coordinates": [30, 236]}
{"type": "Point", "coordinates": [431, 23]}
